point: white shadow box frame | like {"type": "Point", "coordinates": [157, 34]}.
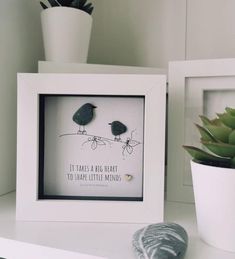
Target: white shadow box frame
{"type": "Point", "coordinates": [43, 96]}
{"type": "Point", "coordinates": [195, 87]}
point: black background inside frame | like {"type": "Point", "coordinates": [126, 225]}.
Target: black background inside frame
{"type": "Point", "coordinates": [41, 194]}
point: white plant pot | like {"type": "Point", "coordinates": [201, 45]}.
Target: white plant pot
{"type": "Point", "coordinates": [66, 34]}
{"type": "Point", "coordinates": [214, 191]}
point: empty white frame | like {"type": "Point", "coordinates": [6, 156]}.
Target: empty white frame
{"type": "Point", "coordinates": [29, 204]}
{"type": "Point", "coordinates": [195, 87]}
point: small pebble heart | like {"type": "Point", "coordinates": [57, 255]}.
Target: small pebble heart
{"type": "Point", "coordinates": [128, 177]}
{"type": "Point", "coordinates": [160, 241]}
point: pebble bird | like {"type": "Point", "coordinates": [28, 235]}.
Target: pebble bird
{"type": "Point", "coordinates": [83, 116]}
{"type": "Point", "coordinates": [117, 129]}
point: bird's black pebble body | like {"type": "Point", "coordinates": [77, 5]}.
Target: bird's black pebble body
{"type": "Point", "coordinates": [118, 128]}
{"type": "Point", "coordinates": [84, 114]}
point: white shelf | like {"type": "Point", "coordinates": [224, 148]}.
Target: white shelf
{"type": "Point", "coordinates": [27, 240]}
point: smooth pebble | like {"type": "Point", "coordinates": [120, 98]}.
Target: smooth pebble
{"type": "Point", "coordinates": [160, 241]}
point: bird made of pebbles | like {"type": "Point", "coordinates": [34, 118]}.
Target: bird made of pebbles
{"type": "Point", "coordinates": [84, 116]}
{"type": "Point", "coordinates": [117, 128]}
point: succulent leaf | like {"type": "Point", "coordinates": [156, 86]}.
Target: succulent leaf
{"type": "Point", "coordinates": [203, 156]}
{"type": "Point", "coordinates": [219, 132]}
{"type": "Point", "coordinates": [231, 111]}
{"type": "Point", "coordinates": [43, 5]}
{"type": "Point", "coordinates": [218, 136]}
{"type": "Point", "coordinates": [82, 3]}
{"type": "Point", "coordinates": [53, 3]}
{"type": "Point", "coordinates": [228, 119]}
{"type": "Point", "coordinates": [205, 134]}
{"type": "Point", "coordinates": [205, 120]}
{"type": "Point", "coordinates": [233, 162]}
{"type": "Point", "coordinates": [65, 2]}
{"type": "Point", "coordinates": [217, 122]}
{"type": "Point", "coordinates": [220, 149]}
{"type": "Point", "coordinates": [78, 4]}
{"type": "Point", "coordinates": [231, 138]}
{"type": "Point", "coordinates": [75, 4]}
{"type": "Point", "coordinates": [88, 8]}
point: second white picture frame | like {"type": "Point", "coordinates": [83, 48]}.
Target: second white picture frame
{"type": "Point", "coordinates": [195, 87]}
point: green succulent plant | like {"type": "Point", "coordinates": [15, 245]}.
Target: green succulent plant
{"type": "Point", "coordinates": [79, 4]}
{"type": "Point", "coordinates": [218, 139]}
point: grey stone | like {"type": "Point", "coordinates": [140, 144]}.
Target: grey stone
{"type": "Point", "coordinates": [160, 241]}
{"type": "Point", "coordinates": [117, 128]}
{"type": "Point", "coordinates": [84, 114]}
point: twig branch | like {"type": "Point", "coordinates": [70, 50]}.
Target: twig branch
{"type": "Point", "coordinates": [90, 135]}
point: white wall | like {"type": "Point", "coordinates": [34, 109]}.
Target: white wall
{"type": "Point", "coordinates": [137, 32]}
{"type": "Point", "coordinates": [210, 29]}
{"type": "Point", "coordinates": [20, 49]}
{"type": "Point", "coordinates": [153, 32]}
